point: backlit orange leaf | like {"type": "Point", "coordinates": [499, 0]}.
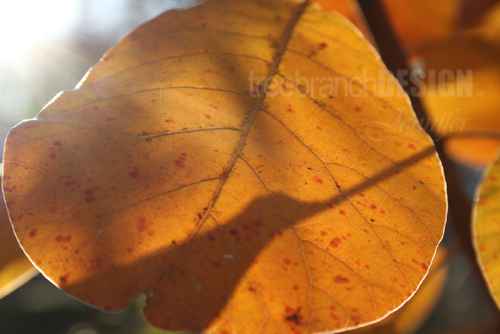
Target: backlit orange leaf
{"type": "Point", "coordinates": [242, 164]}
{"type": "Point", "coordinates": [486, 230]}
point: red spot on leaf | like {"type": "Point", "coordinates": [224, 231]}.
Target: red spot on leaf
{"type": "Point", "coordinates": [318, 180]}
{"type": "Point", "coordinates": [169, 120]}
{"type": "Point", "coordinates": [135, 172]}
{"type": "Point", "coordinates": [412, 146]}
{"type": "Point", "coordinates": [342, 212]}
{"type": "Point", "coordinates": [373, 206]}
{"type": "Point", "coordinates": [180, 161]}
{"type": "Point", "coordinates": [414, 188]}
{"type": "Point", "coordinates": [89, 195]}
{"type": "Point", "coordinates": [323, 233]}
{"type": "Point", "coordinates": [335, 242]}
{"type": "Point", "coordinates": [57, 143]}
{"type": "Point", "coordinates": [322, 46]}
{"type": "Point", "coordinates": [63, 280]}
{"type": "Point", "coordinates": [33, 233]}
{"type": "Point", "coordinates": [110, 119]}
{"type": "Point", "coordinates": [208, 116]}
{"type": "Point", "coordinates": [52, 155]}
{"type": "Point", "coordinates": [293, 315]}
{"type": "Point", "coordinates": [341, 279]}
{"type": "Point", "coordinates": [361, 204]}
{"type": "Point", "coordinates": [142, 224]}
{"type": "Point", "coordinates": [63, 239]}
{"type": "Point", "coordinates": [287, 261]}
{"type": "Point", "coordinates": [423, 265]}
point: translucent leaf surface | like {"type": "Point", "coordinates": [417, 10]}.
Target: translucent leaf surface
{"type": "Point", "coordinates": [487, 230]}
{"type": "Point", "coordinates": [231, 162]}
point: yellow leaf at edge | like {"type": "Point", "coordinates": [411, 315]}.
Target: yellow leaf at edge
{"type": "Point", "coordinates": [176, 171]}
{"type": "Point", "coordinates": [486, 229]}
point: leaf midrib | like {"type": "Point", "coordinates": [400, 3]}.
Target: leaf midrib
{"type": "Point", "coordinates": [262, 94]}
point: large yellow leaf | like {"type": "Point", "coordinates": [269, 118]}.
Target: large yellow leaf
{"type": "Point", "coordinates": [175, 170]}
{"type": "Point", "coordinates": [486, 229]}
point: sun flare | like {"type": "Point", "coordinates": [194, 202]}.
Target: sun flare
{"type": "Point", "coordinates": [25, 23]}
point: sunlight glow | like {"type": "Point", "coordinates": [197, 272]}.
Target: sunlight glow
{"type": "Point", "coordinates": [23, 23]}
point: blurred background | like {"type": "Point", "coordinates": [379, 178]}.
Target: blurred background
{"type": "Point", "coordinates": [47, 46]}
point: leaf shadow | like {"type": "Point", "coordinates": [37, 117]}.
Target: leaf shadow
{"type": "Point", "coordinates": [204, 272]}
